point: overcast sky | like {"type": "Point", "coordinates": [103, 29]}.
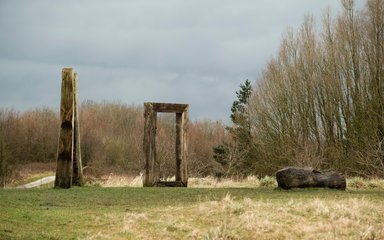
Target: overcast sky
{"type": "Point", "coordinates": [194, 51]}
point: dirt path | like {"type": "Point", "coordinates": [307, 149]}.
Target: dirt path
{"type": "Point", "coordinates": [38, 182]}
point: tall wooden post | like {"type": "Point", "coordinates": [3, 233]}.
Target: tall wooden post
{"type": "Point", "coordinates": [69, 167]}
{"type": "Point", "coordinates": [184, 153]}
{"type": "Point", "coordinates": [77, 178]}
{"type": "Point", "coordinates": [149, 145]}
{"type": "Point", "coordinates": [65, 148]}
{"type": "Point", "coordinates": [179, 142]}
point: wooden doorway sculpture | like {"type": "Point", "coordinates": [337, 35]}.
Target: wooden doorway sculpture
{"type": "Point", "coordinates": [152, 171]}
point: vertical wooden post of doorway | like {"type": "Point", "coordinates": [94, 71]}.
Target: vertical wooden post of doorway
{"type": "Point", "coordinates": [184, 148]}
{"type": "Point", "coordinates": [151, 165]}
{"type": "Point", "coordinates": [181, 147]}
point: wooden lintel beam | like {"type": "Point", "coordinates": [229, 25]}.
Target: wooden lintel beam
{"type": "Point", "coordinates": [169, 107]}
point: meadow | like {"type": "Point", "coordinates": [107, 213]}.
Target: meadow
{"type": "Point", "coordinates": [209, 209]}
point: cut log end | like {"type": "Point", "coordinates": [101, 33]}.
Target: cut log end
{"type": "Point", "coordinates": [294, 177]}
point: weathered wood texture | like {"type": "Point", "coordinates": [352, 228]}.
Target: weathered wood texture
{"type": "Point", "coordinates": [294, 177]}
{"type": "Point", "coordinates": [65, 148]}
{"type": "Point", "coordinates": [169, 107]}
{"type": "Point", "coordinates": [152, 173]}
{"type": "Point", "coordinates": [179, 141]}
{"type": "Point", "coordinates": [69, 166]}
{"type": "Point", "coordinates": [184, 148]}
{"type": "Point", "coordinates": [149, 145]}
{"type": "Point", "coordinates": [77, 178]}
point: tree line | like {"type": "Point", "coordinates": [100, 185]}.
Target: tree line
{"type": "Point", "coordinates": [319, 102]}
{"type": "Point", "coordinates": [111, 140]}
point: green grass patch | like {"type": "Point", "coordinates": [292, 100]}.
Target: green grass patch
{"type": "Point", "coordinates": [148, 213]}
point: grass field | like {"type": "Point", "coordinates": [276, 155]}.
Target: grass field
{"type": "Point", "coordinates": [191, 213]}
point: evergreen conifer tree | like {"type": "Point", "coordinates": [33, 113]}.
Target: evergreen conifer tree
{"type": "Point", "coordinates": [236, 156]}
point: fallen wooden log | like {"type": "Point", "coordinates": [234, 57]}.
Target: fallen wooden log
{"type": "Point", "coordinates": [295, 177]}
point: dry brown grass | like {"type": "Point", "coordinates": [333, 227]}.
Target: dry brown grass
{"type": "Point", "coordinates": [122, 181]}
{"type": "Point", "coordinates": [361, 183]}
{"type": "Point", "coordinates": [231, 218]}
{"type": "Point", "coordinates": [211, 182]}
{"type": "Point", "coordinates": [255, 219]}
{"type": "Point", "coordinates": [114, 180]}
{"type": "Point", "coordinates": [32, 169]}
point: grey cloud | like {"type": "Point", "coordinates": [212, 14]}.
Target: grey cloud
{"type": "Point", "coordinates": [194, 51]}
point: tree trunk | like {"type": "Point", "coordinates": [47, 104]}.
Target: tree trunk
{"type": "Point", "coordinates": [292, 177]}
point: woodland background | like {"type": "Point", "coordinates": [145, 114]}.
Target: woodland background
{"type": "Point", "coordinates": [318, 103]}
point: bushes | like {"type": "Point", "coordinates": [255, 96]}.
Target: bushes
{"type": "Point", "coordinates": [319, 101]}
{"type": "Point", "coordinates": [111, 140]}
{"type": "Point", "coordinates": [268, 181]}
